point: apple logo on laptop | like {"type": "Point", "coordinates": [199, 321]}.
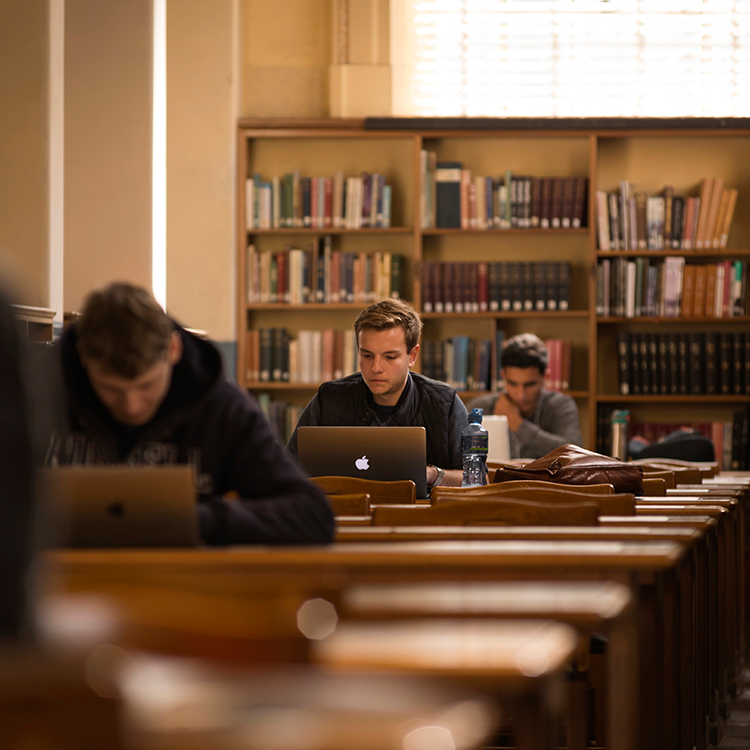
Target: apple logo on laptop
{"type": "Point", "coordinates": [362, 463]}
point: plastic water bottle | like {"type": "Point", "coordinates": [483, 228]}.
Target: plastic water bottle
{"type": "Point", "coordinates": [474, 445]}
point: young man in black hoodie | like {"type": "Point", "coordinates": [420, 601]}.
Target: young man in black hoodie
{"type": "Point", "coordinates": [139, 389]}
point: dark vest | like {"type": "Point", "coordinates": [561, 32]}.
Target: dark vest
{"type": "Point", "coordinates": [423, 402]}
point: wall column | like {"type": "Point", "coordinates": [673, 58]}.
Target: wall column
{"type": "Point", "coordinates": [360, 74]}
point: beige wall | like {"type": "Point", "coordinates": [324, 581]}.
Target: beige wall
{"type": "Point", "coordinates": [24, 129]}
{"type": "Point", "coordinates": [285, 58]}
{"type": "Point", "coordinates": [108, 124]}
{"type": "Point", "coordinates": [201, 123]}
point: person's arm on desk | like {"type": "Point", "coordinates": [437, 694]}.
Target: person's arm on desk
{"type": "Point", "coordinates": [276, 503]}
{"type": "Point", "coordinates": [558, 425]}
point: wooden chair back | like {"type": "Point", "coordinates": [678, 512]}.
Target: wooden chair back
{"type": "Point", "coordinates": [683, 474]}
{"type": "Point", "coordinates": [708, 469]}
{"type": "Point", "coordinates": [496, 512]}
{"type": "Point", "coordinates": [404, 491]}
{"type": "Point", "coordinates": [665, 474]}
{"type": "Point", "coordinates": [654, 486]}
{"type": "Point", "coordinates": [616, 504]}
{"type": "Point", "coordinates": [490, 489]}
{"type": "Point", "coordinates": [357, 504]}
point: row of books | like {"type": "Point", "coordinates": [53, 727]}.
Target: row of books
{"type": "Point", "coordinates": [320, 274]}
{"type": "Point", "coordinates": [452, 198]}
{"type": "Point", "coordinates": [474, 364]}
{"type": "Point", "coordinates": [499, 286]}
{"type": "Point", "coordinates": [730, 437]}
{"type": "Point", "coordinates": [281, 415]}
{"type": "Point", "coordinates": [694, 362]}
{"type": "Point", "coordinates": [630, 219]}
{"type": "Point", "coordinates": [670, 288]}
{"type": "Point", "coordinates": [272, 355]}
{"type": "Point", "coordinates": [339, 202]}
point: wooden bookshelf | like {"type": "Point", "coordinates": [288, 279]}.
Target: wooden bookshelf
{"type": "Point", "coordinates": [650, 154]}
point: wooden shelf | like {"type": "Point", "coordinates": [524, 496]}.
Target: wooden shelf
{"type": "Point", "coordinates": [583, 314]}
{"type": "Point", "coordinates": [317, 231]}
{"type": "Point", "coordinates": [283, 307]}
{"type": "Point", "coordinates": [509, 232]}
{"type": "Point", "coordinates": [275, 385]}
{"type": "Point", "coordinates": [647, 152]}
{"type": "Point", "coordinates": [702, 254]}
{"type": "Point", "coordinates": [466, 395]}
{"type": "Point", "coordinates": [680, 399]}
{"type": "Point", "coordinates": [659, 321]}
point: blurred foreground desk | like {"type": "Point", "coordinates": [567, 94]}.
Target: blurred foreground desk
{"type": "Point", "coordinates": [207, 591]}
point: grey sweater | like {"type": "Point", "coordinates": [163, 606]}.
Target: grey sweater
{"type": "Point", "coordinates": [553, 423]}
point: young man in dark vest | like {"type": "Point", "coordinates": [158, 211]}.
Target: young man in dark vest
{"type": "Point", "coordinates": [386, 392]}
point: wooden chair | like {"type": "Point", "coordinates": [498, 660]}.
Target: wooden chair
{"type": "Point", "coordinates": [683, 474]}
{"type": "Point", "coordinates": [404, 491]}
{"type": "Point", "coordinates": [654, 486]}
{"type": "Point", "coordinates": [619, 504]}
{"type": "Point", "coordinates": [594, 489]}
{"type": "Point", "coordinates": [665, 474]}
{"type": "Point", "coordinates": [497, 511]}
{"type": "Point", "coordinates": [708, 469]}
{"type": "Point", "coordinates": [357, 504]}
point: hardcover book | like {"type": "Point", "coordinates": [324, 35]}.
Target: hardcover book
{"type": "Point", "coordinates": [448, 194]}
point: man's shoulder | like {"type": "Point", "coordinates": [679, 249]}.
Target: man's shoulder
{"type": "Point", "coordinates": [350, 382]}
{"type": "Point", "coordinates": [555, 398]}
{"type": "Point", "coordinates": [437, 387]}
{"type": "Point", "coordinates": [340, 389]}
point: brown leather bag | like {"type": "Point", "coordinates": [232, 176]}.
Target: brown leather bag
{"type": "Point", "coordinates": [571, 464]}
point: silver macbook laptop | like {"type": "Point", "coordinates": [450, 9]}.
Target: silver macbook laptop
{"type": "Point", "coordinates": [382, 453]}
{"type": "Point", "coordinates": [124, 506]}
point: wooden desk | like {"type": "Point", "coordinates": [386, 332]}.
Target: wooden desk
{"type": "Point", "coordinates": [522, 663]}
{"type": "Point", "coordinates": [175, 585]}
{"type": "Point", "coordinates": [204, 706]}
{"type": "Point", "coordinates": [692, 579]}
{"type": "Point", "coordinates": [592, 607]}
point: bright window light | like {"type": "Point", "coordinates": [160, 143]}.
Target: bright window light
{"type": "Point", "coordinates": [572, 58]}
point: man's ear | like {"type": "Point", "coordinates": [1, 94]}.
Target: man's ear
{"type": "Point", "coordinates": [413, 355]}
{"type": "Point", "coordinates": [546, 372]}
{"type": "Point", "coordinates": [174, 354]}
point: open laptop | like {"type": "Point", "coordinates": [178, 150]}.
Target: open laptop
{"type": "Point", "coordinates": [124, 506]}
{"type": "Point", "coordinates": [382, 453]}
{"type": "Point", "coordinates": [499, 437]}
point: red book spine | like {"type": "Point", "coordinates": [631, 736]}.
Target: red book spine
{"type": "Point", "coordinates": [328, 214]}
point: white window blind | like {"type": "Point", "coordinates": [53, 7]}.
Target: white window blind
{"type": "Point", "coordinates": [571, 58]}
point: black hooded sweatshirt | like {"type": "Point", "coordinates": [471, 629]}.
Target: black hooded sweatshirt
{"type": "Point", "coordinates": [207, 422]}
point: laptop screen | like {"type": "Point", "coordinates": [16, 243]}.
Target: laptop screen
{"type": "Point", "coordinates": [123, 506]}
{"type": "Point", "coordinates": [383, 453]}
{"type": "Point", "coordinates": [499, 437]}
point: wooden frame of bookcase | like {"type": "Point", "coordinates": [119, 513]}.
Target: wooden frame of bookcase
{"type": "Point", "coordinates": [599, 135]}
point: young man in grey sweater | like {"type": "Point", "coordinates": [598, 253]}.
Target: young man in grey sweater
{"type": "Point", "coordinates": [539, 420]}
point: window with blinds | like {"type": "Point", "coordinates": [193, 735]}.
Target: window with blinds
{"type": "Point", "coordinates": [571, 58]}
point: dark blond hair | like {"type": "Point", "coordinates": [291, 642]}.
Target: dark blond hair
{"type": "Point", "coordinates": [391, 313]}
{"type": "Point", "coordinates": [124, 329]}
